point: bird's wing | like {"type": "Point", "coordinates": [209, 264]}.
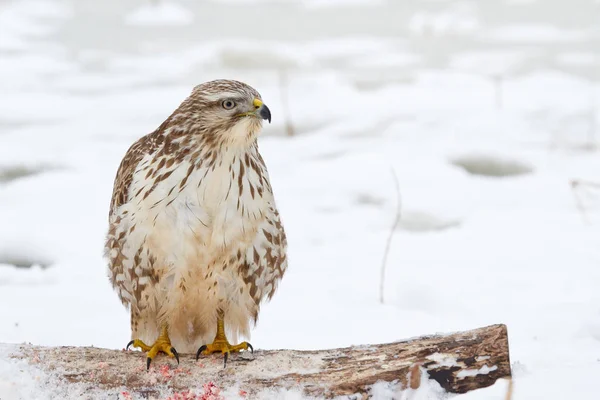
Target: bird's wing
{"type": "Point", "coordinates": [134, 155]}
{"type": "Point", "coordinates": [119, 263]}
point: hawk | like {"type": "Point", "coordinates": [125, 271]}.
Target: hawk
{"type": "Point", "coordinates": [195, 241]}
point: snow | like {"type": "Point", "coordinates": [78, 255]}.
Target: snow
{"type": "Point", "coordinates": [474, 372]}
{"type": "Point", "coordinates": [428, 390]}
{"type": "Point", "coordinates": [470, 250]}
{"type": "Point", "coordinates": [457, 18]}
{"type": "Point", "coordinates": [443, 360]}
{"type": "Point", "coordinates": [535, 33]}
{"type": "Point", "coordinates": [491, 165]}
{"type": "Point", "coordinates": [162, 13]}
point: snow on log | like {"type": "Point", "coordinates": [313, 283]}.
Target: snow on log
{"type": "Point", "coordinates": [459, 362]}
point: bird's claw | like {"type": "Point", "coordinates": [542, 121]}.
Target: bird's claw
{"type": "Point", "coordinates": [162, 345]}
{"type": "Point", "coordinates": [200, 350]}
{"type": "Point", "coordinates": [223, 347]}
{"type": "Point", "coordinates": [176, 354]}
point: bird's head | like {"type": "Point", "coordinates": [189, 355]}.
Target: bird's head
{"type": "Point", "coordinates": [228, 110]}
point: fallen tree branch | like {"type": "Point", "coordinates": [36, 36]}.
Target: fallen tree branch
{"type": "Point", "coordinates": [459, 362]}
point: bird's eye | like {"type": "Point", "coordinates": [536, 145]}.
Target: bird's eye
{"type": "Point", "coordinates": [228, 104]}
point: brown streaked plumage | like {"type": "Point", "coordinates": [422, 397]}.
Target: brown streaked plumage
{"type": "Point", "coordinates": [194, 232]}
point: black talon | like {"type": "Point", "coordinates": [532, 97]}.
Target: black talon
{"type": "Point", "coordinates": [129, 344]}
{"type": "Point", "coordinates": [148, 361]}
{"type": "Point", "coordinates": [200, 350]}
{"type": "Point", "coordinates": [250, 347]}
{"type": "Point", "coordinates": [225, 360]}
{"type": "Point", "coordinates": [175, 354]}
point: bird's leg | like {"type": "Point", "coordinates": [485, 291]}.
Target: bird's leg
{"type": "Point", "coordinates": [162, 345]}
{"type": "Point", "coordinates": [221, 345]}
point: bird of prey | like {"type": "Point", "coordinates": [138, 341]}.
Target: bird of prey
{"type": "Point", "coordinates": [195, 241]}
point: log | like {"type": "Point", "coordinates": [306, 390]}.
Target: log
{"type": "Point", "coordinates": [459, 362]}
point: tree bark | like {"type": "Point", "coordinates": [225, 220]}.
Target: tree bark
{"type": "Point", "coordinates": [459, 362]}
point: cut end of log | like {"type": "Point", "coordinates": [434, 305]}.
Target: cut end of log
{"type": "Point", "coordinates": [458, 362]}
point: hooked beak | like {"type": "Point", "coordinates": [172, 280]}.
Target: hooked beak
{"type": "Point", "coordinates": [261, 110]}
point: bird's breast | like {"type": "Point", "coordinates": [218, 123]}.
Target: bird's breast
{"type": "Point", "coordinates": [206, 207]}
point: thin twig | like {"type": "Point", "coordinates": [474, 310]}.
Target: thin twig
{"type": "Point", "coordinates": [498, 81]}
{"type": "Point", "coordinates": [283, 88]}
{"type": "Point", "coordinates": [389, 240]}
{"type": "Point", "coordinates": [509, 390]}
{"type": "Point", "coordinates": [578, 182]}
{"type": "Point", "coordinates": [578, 202]}
{"type": "Point", "coordinates": [414, 376]}
{"type": "Point", "coordinates": [575, 184]}
{"type": "Point", "coordinates": [593, 120]}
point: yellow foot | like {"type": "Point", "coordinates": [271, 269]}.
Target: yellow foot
{"type": "Point", "coordinates": [162, 345]}
{"type": "Point", "coordinates": [223, 347]}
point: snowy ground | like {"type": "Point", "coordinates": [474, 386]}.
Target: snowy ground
{"type": "Point", "coordinates": [435, 90]}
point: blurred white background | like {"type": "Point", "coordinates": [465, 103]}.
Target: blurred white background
{"type": "Point", "coordinates": [485, 109]}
